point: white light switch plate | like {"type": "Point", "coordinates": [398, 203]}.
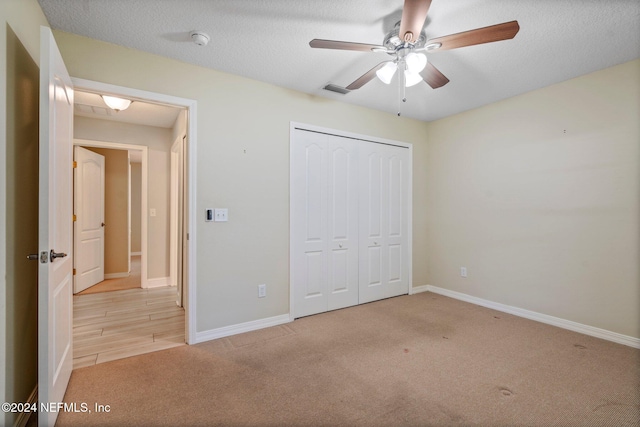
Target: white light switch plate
{"type": "Point", "coordinates": [221, 215]}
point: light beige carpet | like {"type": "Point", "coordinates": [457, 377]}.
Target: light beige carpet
{"type": "Point", "coordinates": [130, 282]}
{"type": "Point", "coordinates": [421, 360]}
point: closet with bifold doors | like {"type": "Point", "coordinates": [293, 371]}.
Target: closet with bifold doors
{"type": "Point", "coordinates": [350, 219]}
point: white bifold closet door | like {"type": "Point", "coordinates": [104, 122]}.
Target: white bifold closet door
{"type": "Point", "coordinates": [350, 214]}
{"type": "Point", "coordinates": [383, 221]}
{"type": "Point", "coordinates": [324, 223]}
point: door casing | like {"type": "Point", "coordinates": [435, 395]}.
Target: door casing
{"type": "Point", "coordinates": [144, 202]}
{"type": "Point", "coordinates": [189, 286]}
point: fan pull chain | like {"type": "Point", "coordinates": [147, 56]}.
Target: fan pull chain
{"type": "Point", "coordinates": [399, 90]}
{"type": "Point", "coordinates": [402, 87]}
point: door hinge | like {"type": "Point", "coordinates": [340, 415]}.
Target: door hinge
{"type": "Point", "coordinates": [74, 271]}
{"type": "Point", "coordinates": [74, 218]}
{"type": "Point", "coordinates": [75, 164]}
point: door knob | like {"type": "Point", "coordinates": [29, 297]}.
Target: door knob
{"type": "Point", "coordinates": [53, 255]}
{"type": "Point", "coordinates": [43, 257]}
{"type": "Point", "coordinates": [340, 245]}
{"type": "Point", "coordinates": [103, 224]}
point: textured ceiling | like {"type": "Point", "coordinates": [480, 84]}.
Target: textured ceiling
{"type": "Point", "coordinates": [268, 41]}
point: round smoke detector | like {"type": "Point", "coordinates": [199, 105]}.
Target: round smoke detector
{"type": "Point", "coordinates": [200, 38]}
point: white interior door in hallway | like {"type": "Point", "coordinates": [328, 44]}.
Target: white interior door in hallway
{"type": "Point", "coordinates": [89, 221]}
{"type": "Point", "coordinates": [350, 220]}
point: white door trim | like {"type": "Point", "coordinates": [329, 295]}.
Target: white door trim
{"type": "Point", "coordinates": [176, 209]}
{"type": "Point", "coordinates": [372, 139]}
{"type": "Point", "coordinates": [190, 287]}
{"type": "Point", "coordinates": [144, 196]}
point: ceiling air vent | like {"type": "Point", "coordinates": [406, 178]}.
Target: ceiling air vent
{"type": "Point", "coordinates": [336, 88]}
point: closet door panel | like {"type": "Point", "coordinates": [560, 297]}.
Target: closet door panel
{"type": "Point", "coordinates": [324, 223]}
{"type": "Point", "coordinates": [397, 226]}
{"type": "Point", "coordinates": [373, 274]}
{"type": "Point", "coordinates": [309, 225]}
{"type": "Point", "coordinates": [313, 269]}
{"type": "Point", "coordinates": [384, 222]}
{"type": "Point", "coordinates": [395, 199]}
{"type": "Point", "coordinates": [373, 222]}
{"type": "Point", "coordinates": [342, 217]}
{"type": "Point", "coordinates": [395, 264]}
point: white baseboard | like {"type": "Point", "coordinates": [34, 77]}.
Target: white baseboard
{"type": "Point", "coordinates": [158, 282]}
{"type": "Point", "coordinates": [418, 289]}
{"type": "Point", "coordinates": [539, 317]}
{"type": "Point", "coordinates": [23, 417]}
{"type": "Point", "coordinates": [116, 275]}
{"type": "Point", "coordinates": [254, 325]}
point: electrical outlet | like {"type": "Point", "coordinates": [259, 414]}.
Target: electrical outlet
{"type": "Point", "coordinates": [463, 271]}
{"type": "Point", "coordinates": [262, 291]}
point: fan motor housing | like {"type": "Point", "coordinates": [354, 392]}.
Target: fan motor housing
{"type": "Point", "coordinates": [393, 42]}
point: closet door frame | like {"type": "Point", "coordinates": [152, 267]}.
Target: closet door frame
{"type": "Point", "coordinates": [359, 137]}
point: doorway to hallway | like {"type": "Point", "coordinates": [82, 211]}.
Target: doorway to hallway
{"type": "Point", "coordinates": [140, 311]}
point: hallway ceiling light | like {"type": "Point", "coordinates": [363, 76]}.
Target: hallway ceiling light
{"type": "Point", "coordinates": [115, 103]}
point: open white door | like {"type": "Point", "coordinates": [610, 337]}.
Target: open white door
{"type": "Point", "coordinates": [55, 239]}
{"type": "Point", "coordinates": [88, 235]}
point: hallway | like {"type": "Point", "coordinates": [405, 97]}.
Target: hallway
{"type": "Point", "coordinates": [115, 325]}
{"type": "Point", "coordinates": [130, 282]}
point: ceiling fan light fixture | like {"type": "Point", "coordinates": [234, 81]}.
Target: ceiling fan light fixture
{"type": "Point", "coordinates": [385, 74]}
{"type": "Point", "coordinates": [416, 62]}
{"type": "Point", "coordinates": [411, 78]}
{"type": "Point", "coordinates": [115, 103]}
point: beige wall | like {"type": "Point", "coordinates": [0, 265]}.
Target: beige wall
{"type": "Point", "coordinates": [136, 198]}
{"type": "Point", "coordinates": [19, 58]}
{"type": "Point", "coordinates": [158, 140]}
{"type": "Point", "coordinates": [116, 206]}
{"type": "Point", "coordinates": [538, 196]}
{"type": "Point", "coordinates": [243, 165]}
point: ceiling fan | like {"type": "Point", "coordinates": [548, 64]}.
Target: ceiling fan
{"type": "Point", "coordinates": [406, 42]}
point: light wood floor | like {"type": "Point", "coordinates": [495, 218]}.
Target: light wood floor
{"type": "Point", "coordinates": [119, 324]}
{"type": "Point", "coordinates": [130, 282]}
